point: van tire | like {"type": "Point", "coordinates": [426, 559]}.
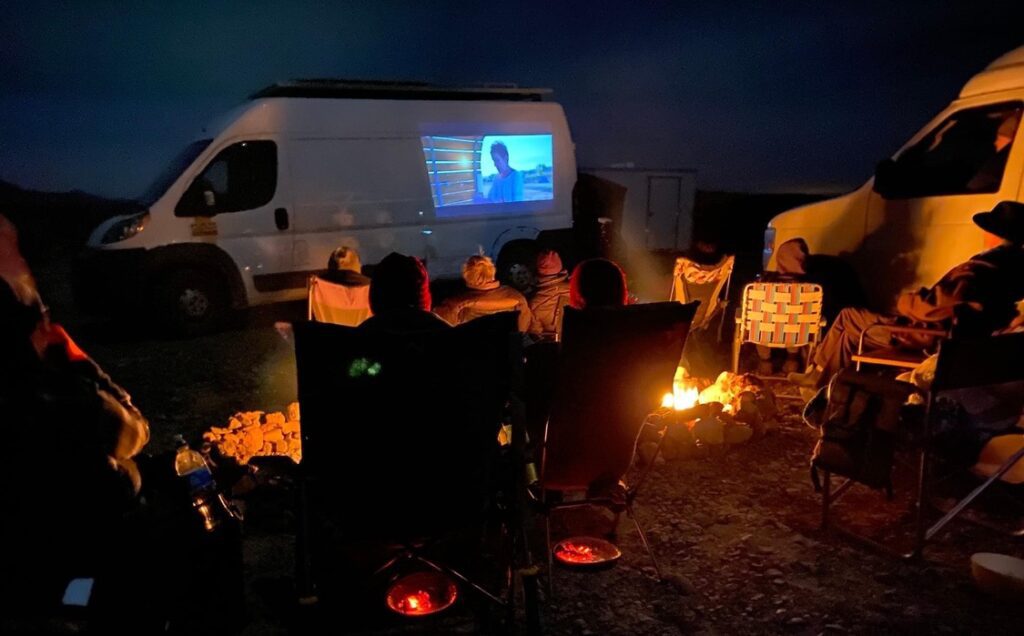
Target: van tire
{"type": "Point", "coordinates": [517, 264]}
{"type": "Point", "coordinates": [192, 302]}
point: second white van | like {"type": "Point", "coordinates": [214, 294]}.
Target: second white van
{"type": "Point", "coordinates": [911, 223]}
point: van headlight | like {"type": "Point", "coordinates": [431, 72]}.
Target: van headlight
{"type": "Point", "coordinates": [125, 228]}
{"type": "Point", "coordinates": [769, 246]}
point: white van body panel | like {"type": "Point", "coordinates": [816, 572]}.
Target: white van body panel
{"type": "Point", "coordinates": [352, 172]}
{"type": "Point", "coordinates": [901, 244]}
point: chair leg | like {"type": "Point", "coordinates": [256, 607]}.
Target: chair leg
{"type": "Point", "coordinates": [826, 499]}
{"type": "Point", "coordinates": [737, 344]}
{"type": "Point", "coordinates": [551, 556]}
{"type": "Point", "coordinates": [920, 533]}
{"type": "Point", "coordinates": [643, 539]}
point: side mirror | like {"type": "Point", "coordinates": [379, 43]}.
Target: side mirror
{"type": "Point", "coordinates": [887, 179]}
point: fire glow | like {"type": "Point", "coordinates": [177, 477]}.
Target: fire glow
{"type": "Point", "coordinates": [685, 392]}
{"type": "Point", "coordinates": [421, 594]}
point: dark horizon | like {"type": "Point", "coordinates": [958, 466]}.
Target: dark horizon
{"type": "Point", "coordinates": [787, 98]}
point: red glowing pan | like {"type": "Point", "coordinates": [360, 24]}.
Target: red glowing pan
{"type": "Point", "coordinates": [586, 552]}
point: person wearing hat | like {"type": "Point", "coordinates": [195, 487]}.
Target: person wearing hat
{"type": "Point", "coordinates": [400, 297]}
{"type": "Point", "coordinates": [989, 284]}
{"type": "Point", "coordinates": [552, 292]}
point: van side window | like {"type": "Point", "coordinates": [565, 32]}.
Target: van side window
{"type": "Point", "coordinates": [965, 154]}
{"type": "Point", "coordinates": [243, 176]}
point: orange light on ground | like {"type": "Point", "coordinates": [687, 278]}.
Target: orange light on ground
{"type": "Point", "coordinates": [584, 551]}
{"type": "Point", "coordinates": [421, 594]}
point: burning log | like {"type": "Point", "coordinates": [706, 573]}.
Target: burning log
{"type": "Point", "coordinates": [745, 409]}
{"type": "Point", "coordinates": [255, 433]}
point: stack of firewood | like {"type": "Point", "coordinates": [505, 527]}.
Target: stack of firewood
{"type": "Point", "coordinates": [255, 433]}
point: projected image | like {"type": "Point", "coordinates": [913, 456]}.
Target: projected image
{"type": "Point", "coordinates": [475, 169]}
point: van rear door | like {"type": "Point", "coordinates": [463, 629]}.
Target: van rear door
{"type": "Point", "coordinates": [964, 163]}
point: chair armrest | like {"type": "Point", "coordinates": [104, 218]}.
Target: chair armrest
{"type": "Point", "coordinates": [921, 331]}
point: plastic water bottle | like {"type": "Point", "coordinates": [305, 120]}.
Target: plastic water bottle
{"type": "Point", "coordinates": [191, 465]}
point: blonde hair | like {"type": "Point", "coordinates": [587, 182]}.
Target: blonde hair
{"type": "Point", "coordinates": [345, 258]}
{"type": "Point", "coordinates": [478, 271]}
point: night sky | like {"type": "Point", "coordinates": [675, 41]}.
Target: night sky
{"type": "Point", "coordinates": [773, 96]}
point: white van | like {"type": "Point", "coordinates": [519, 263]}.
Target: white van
{"type": "Point", "coordinates": [260, 199]}
{"type": "Point", "coordinates": [911, 223]}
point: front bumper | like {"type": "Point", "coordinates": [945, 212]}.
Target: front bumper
{"type": "Point", "coordinates": [106, 281]}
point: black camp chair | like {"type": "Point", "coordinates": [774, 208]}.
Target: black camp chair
{"type": "Point", "coordinates": [613, 368]}
{"type": "Point", "coordinates": [964, 365]}
{"type": "Point", "coordinates": [400, 449]}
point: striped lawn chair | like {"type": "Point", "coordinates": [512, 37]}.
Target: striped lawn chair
{"type": "Point", "coordinates": [337, 304]}
{"type": "Point", "coordinates": [779, 315]}
{"type": "Point", "coordinates": [708, 284]}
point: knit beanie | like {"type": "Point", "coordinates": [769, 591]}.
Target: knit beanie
{"type": "Point", "coordinates": [548, 263]}
{"type": "Point", "coordinates": [597, 282]}
{"type": "Point", "coordinates": [399, 282]}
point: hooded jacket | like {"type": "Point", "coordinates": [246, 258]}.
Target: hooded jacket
{"type": "Point", "coordinates": [545, 301]}
{"type": "Point", "coordinates": [484, 299]}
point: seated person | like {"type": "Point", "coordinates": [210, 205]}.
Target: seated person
{"type": "Point", "coordinates": [990, 283]}
{"type": "Point", "coordinates": [484, 295]}
{"type": "Point", "coordinates": [346, 300]}
{"type": "Point", "coordinates": [598, 282]}
{"type": "Point", "coordinates": [400, 296]}
{"type": "Point", "coordinates": [552, 291]}
{"type": "Point", "coordinates": [73, 434]}
{"type": "Point", "coordinates": [345, 268]}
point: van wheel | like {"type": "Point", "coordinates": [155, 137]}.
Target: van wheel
{"type": "Point", "coordinates": [517, 264]}
{"type": "Point", "coordinates": [192, 303]}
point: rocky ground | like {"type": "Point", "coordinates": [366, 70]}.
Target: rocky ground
{"type": "Point", "coordinates": [735, 531]}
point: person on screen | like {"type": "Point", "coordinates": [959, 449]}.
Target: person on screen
{"type": "Point", "coordinates": [508, 183]}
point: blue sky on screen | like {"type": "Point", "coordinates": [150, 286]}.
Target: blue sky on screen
{"type": "Point", "coordinates": [524, 152]}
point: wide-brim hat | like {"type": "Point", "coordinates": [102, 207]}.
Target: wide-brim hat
{"type": "Point", "coordinates": [1006, 221]}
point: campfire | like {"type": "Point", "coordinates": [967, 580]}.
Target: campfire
{"type": "Point", "coordinates": [747, 410]}
{"type": "Point", "coordinates": [257, 434]}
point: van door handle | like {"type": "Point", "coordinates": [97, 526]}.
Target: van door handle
{"type": "Point", "coordinates": [281, 218]}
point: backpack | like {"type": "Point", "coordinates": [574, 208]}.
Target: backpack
{"type": "Point", "coordinates": [860, 418]}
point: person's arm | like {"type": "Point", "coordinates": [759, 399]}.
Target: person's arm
{"type": "Point", "coordinates": [936, 305]}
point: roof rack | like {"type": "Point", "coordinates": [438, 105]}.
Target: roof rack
{"type": "Point", "coordinates": [383, 89]}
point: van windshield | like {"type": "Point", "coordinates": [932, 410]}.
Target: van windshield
{"type": "Point", "coordinates": [171, 173]}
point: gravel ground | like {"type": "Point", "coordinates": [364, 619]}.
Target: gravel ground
{"type": "Point", "coordinates": [736, 533]}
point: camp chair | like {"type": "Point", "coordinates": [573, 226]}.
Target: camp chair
{"type": "Point", "coordinates": [963, 364]}
{"type": "Point", "coordinates": [337, 304]}
{"type": "Point", "coordinates": [779, 315]}
{"type": "Point", "coordinates": [613, 368]}
{"type": "Point", "coordinates": [399, 437]}
{"type": "Point", "coordinates": [708, 284]}
{"type": "Point", "coordinates": [899, 357]}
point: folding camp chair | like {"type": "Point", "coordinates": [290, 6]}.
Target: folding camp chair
{"type": "Point", "coordinates": [708, 284]}
{"type": "Point", "coordinates": [337, 304]}
{"type": "Point", "coordinates": [399, 435]}
{"type": "Point", "coordinates": [964, 364]}
{"type": "Point", "coordinates": [779, 315]}
{"type": "Point", "coordinates": [613, 368]}
{"type": "Point", "coordinates": [899, 357]}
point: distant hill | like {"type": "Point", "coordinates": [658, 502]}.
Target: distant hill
{"type": "Point", "coordinates": [53, 225]}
